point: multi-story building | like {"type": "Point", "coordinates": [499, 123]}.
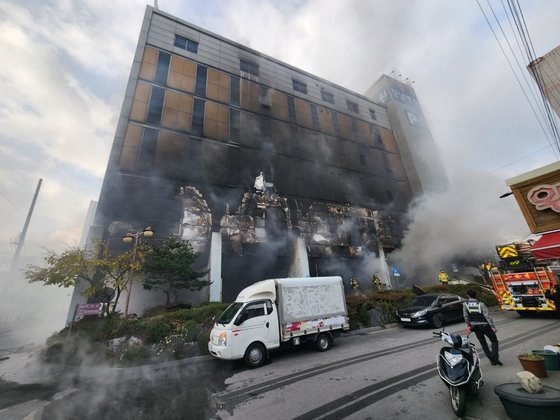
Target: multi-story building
{"type": "Point", "coordinates": [546, 72]}
{"type": "Point", "coordinates": [267, 170]}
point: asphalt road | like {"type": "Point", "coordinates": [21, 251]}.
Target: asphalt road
{"type": "Point", "coordinates": [370, 375]}
{"type": "Point", "coordinates": [385, 374]}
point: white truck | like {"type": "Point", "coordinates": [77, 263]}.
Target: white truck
{"type": "Point", "coordinates": [278, 311]}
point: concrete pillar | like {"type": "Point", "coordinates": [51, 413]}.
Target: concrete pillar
{"type": "Point", "coordinates": [300, 265]}
{"type": "Point", "coordinates": [216, 267]}
{"type": "Point", "coordinates": [385, 275]}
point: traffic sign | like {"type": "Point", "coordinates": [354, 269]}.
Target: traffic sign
{"type": "Point", "coordinates": [396, 271]}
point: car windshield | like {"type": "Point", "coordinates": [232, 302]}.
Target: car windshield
{"type": "Point", "coordinates": [423, 300]}
{"type": "Point", "coordinates": [229, 313]}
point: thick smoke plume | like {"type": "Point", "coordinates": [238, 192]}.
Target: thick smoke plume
{"type": "Point", "coordinates": [461, 226]}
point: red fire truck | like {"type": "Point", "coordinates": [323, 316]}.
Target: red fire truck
{"type": "Point", "coordinates": [520, 282]}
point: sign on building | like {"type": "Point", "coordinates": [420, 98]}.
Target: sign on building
{"type": "Point", "coordinates": [538, 195]}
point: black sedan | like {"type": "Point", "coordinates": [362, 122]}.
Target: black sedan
{"type": "Point", "coordinates": [433, 309]}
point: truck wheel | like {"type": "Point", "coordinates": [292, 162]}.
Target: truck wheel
{"type": "Point", "coordinates": [323, 342]}
{"type": "Point", "coordinates": [254, 355]}
{"type": "Point", "coordinates": [437, 320]}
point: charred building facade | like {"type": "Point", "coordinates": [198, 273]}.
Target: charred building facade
{"type": "Point", "coordinates": [267, 170]}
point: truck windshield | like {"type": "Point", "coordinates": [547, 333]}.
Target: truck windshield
{"type": "Point", "coordinates": [229, 313]}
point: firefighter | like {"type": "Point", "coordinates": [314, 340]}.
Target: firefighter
{"type": "Point", "coordinates": [479, 321]}
{"type": "Point", "coordinates": [377, 283]}
{"type": "Point", "coordinates": [354, 284]}
{"type": "Point", "coordinates": [443, 278]}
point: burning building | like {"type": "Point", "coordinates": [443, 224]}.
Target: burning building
{"type": "Point", "coordinates": [268, 170]}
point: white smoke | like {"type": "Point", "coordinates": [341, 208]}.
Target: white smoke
{"type": "Point", "coordinates": [463, 223]}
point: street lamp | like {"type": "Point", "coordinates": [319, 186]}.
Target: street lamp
{"type": "Point", "coordinates": [136, 236]}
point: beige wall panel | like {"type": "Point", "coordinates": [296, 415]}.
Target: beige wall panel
{"type": "Point", "coordinates": [250, 96]}
{"type": "Point", "coordinates": [389, 140]}
{"type": "Point", "coordinates": [138, 111]}
{"type": "Point", "coordinates": [147, 71]}
{"type": "Point", "coordinates": [325, 120]}
{"type": "Point", "coordinates": [129, 155]}
{"type": "Point", "coordinates": [303, 112]}
{"type": "Point", "coordinates": [279, 105]}
{"type": "Point", "coordinates": [133, 135]}
{"type": "Point", "coordinates": [182, 74]}
{"type": "Point", "coordinates": [184, 121]}
{"type": "Point", "coordinates": [169, 118]}
{"type": "Point", "coordinates": [142, 93]}
{"type": "Point", "coordinates": [363, 130]}
{"type": "Point", "coordinates": [345, 124]}
{"type": "Point", "coordinates": [150, 55]}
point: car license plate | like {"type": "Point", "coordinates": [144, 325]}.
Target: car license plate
{"type": "Point", "coordinates": [405, 319]}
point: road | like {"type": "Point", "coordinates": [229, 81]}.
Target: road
{"type": "Point", "coordinates": [389, 374]}
{"type": "Point", "coordinates": [368, 375]}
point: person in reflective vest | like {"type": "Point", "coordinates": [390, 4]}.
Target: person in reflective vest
{"type": "Point", "coordinates": [377, 284]}
{"type": "Point", "coordinates": [443, 277]}
{"type": "Point", "coordinates": [354, 285]}
{"type": "Point", "coordinates": [479, 321]}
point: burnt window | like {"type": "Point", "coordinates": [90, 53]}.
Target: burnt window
{"type": "Point", "coordinates": [352, 106]}
{"type": "Point", "coordinates": [248, 67]}
{"type": "Point", "coordinates": [327, 97]}
{"type": "Point", "coordinates": [314, 116]}
{"type": "Point", "coordinates": [387, 164]}
{"type": "Point", "coordinates": [198, 116]}
{"type": "Point", "coordinates": [266, 127]}
{"type": "Point", "coordinates": [362, 159]}
{"type": "Point", "coordinates": [234, 125]}
{"type": "Point", "coordinates": [162, 67]}
{"type": "Point", "coordinates": [185, 44]}
{"type": "Point", "coordinates": [156, 105]}
{"type": "Point", "coordinates": [147, 149]}
{"type": "Point", "coordinates": [234, 91]}
{"type": "Point", "coordinates": [265, 97]}
{"type": "Point", "coordinates": [291, 109]}
{"type": "Point", "coordinates": [372, 114]}
{"type": "Point", "coordinates": [201, 74]}
{"type": "Point", "coordinates": [390, 196]}
{"type": "Point", "coordinates": [376, 135]}
{"type": "Point", "coordinates": [299, 86]}
{"type": "Point", "coordinates": [334, 116]}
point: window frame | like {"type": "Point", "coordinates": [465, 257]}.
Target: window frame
{"type": "Point", "coordinates": [327, 96]}
{"type": "Point", "coordinates": [189, 44]}
{"type": "Point", "coordinates": [353, 107]}
{"type": "Point", "coordinates": [249, 67]}
{"type": "Point", "coordinates": [299, 86]}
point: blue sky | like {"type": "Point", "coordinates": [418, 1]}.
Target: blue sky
{"type": "Point", "coordinates": [66, 63]}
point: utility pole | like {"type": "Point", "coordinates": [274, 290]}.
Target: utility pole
{"type": "Point", "coordinates": [21, 240]}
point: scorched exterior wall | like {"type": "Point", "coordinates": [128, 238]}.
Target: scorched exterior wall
{"type": "Point", "coordinates": [195, 131]}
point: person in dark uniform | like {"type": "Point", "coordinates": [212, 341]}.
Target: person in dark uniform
{"type": "Point", "coordinates": [479, 321]}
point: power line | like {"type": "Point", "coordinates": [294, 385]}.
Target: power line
{"type": "Point", "coordinates": [9, 201]}
{"type": "Point", "coordinates": [521, 24]}
{"type": "Point", "coordinates": [522, 158]}
{"type": "Point", "coordinates": [517, 78]}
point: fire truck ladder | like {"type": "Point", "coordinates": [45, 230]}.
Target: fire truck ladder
{"type": "Point", "coordinates": [541, 273]}
{"type": "Point", "coordinates": [496, 278]}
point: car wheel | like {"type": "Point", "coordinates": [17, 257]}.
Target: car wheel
{"type": "Point", "coordinates": [254, 355]}
{"type": "Point", "coordinates": [437, 321]}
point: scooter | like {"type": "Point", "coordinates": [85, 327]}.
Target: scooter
{"type": "Point", "coordinates": [458, 367]}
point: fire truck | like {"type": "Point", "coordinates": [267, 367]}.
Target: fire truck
{"type": "Point", "coordinates": [520, 282]}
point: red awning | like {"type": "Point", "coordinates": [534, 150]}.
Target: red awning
{"type": "Point", "coordinates": [548, 247]}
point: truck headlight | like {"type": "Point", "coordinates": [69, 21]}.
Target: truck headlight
{"type": "Point", "coordinates": [222, 339]}
{"type": "Point", "coordinates": [419, 313]}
